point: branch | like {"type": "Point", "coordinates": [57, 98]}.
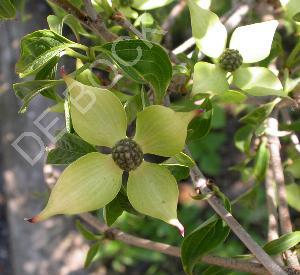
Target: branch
{"type": "Point", "coordinates": [231, 20]}
{"type": "Point", "coordinates": [276, 164]}
{"type": "Point", "coordinates": [271, 206]}
{"type": "Point", "coordinates": [271, 199]}
{"type": "Point", "coordinates": [96, 25]}
{"type": "Point", "coordinates": [200, 183]}
{"type": "Point", "coordinates": [115, 234]}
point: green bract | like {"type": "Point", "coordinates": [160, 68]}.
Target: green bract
{"type": "Point", "coordinates": [253, 42]}
{"type": "Point", "coordinates": [95, 179]}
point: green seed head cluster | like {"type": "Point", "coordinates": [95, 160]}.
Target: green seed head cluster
{"type": "Point", "coordinates": [127, 154]}
{"type": "Point", "coordinates": [126, 3]}
{"type": "Point", "coordinates": [230, 60]}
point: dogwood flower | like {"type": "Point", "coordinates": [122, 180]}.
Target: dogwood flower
{"type": "Point", "coordinates": [95, 179]}
{"type": "Point", "coordinates": [248, 44]}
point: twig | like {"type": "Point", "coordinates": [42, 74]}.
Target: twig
{"type": "Point", "coordinates": [276, 165]}
{"type": "Point", "coordinates": [271, 199]}
{"type": "Point", "coordinates": [294, 137]}
{"type": "Point", "coordinates": [200, 183]}
{"type": "Point", "coordinates": [51, 175]}
{"type": "Point", "coordinates": [122, 21]}
{"type": "Point", "coordinates": [96, 25]}
{"type": "Point", "coordinates": [115, 234]}
{"type": "Point", "coordinates": [271, 206]}
{"type": "Point", "coordinates": [230, 20]}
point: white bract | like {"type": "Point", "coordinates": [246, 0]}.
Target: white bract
{"type": "Point", "coordinates": [253, 42]}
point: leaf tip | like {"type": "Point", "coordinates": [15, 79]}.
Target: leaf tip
{"type": "Point", "coordinates": [34, 219]}
{"type": "Point", "coordinates": [180, 227]}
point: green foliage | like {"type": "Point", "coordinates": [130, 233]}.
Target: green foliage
{"type": "Point", "coordinates": [143, 62]}
{"type": "Point", "coordinates": [38, 49]}
{"type": "Point", "coordinates": [26, 91]}
{"type": "Point", "coordinates": [69, 148]}
{"type": "Point", "coordinates": [285, 242]}
{"type": "Point", "coordinates": [7, 10]}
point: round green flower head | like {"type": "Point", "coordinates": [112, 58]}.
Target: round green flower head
{"type": "Point", "coordinates": [127, 154]}
{"type": "Point", "coordinates": [94, 180]}
{"type": "Point", "coordinates": [230, 60]}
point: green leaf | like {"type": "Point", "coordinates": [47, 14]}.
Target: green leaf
{"type": "Point", "coordinates": [150, 4]}
{"type": "Point", "coordinates": [283, 243]}
{"type": "Point", "coordinates": [68, 149]}
{"type": "Point", "coordinates": [245, 38]}
{"type": "Point", "coordinates": [181, 159]}
{"type": "Point", "coordinates": [202, 240]}
{"type": "Point", "coordinates": [296, 17]}
{"type": "Point", "coordinates": [26, 91]}
{"type": "Point", "coordinates": [209, 79]}
{"type": "Point", "coordinates": [258, 81]}
{"type": "Point", "coordinates": [91, 254]}
{"type": "Point", "coordinates": [112, 211]}
{"type": "Point", "coordinates": [133, 106]}
{"type": "Point", "coordinates": [209, 33]}
{"type": "Point", "coordinates": [39, 48]}
{"type": "Point", "coordinates": [56, 24]}
{"type": "Point", "coordinates": [200, 126]}
{"type": "Point", "coordinates": [7, 10]}
{"type": "Point", "coordinates": [293, 195]}
{"type": "Point", "coordinates": [294, 168]}
{"type": "Point", "coordinates": [87, 234]}
{"type": "Point", "coordinates": [261, 162]}
{"type": "Point", "coordinates": [142, 61]}
{"type": "Point", "coordinates": [179, 172]}
{"type": "Point", "coordinates": [258, 115]}
{"type": "Point", "coordinates": [243, 137]}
